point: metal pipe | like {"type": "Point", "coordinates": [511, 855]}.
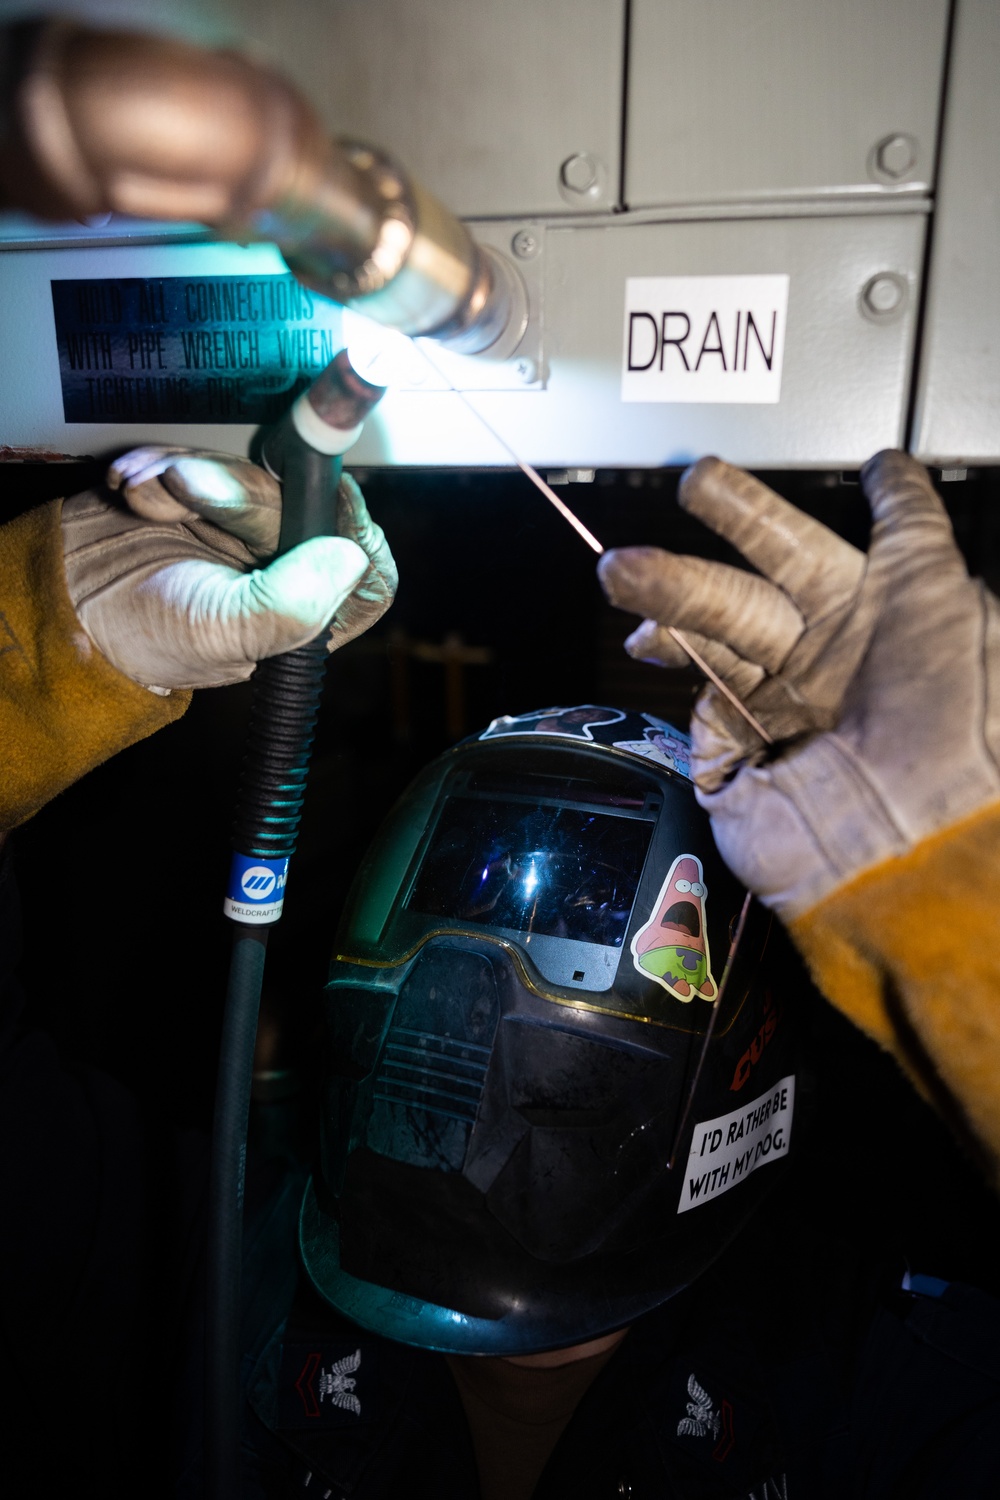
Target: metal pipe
{"type": "Point", "coordinates": [125, 122]}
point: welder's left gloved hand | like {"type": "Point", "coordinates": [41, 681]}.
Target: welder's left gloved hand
{"type": "Point", "coordinates": [877, 676]}
{"type": "Point", "coordinates": [162, 585]}
{"type": "Point", "coordinates": [171, 584]}
{"type": "Point", "coordinates": [872, 824]}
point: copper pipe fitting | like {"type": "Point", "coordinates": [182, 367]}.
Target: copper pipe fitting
{"type": "Point", "coordinates": [152, 127]}
{"type": "Point", "coordinates": [123, 122]}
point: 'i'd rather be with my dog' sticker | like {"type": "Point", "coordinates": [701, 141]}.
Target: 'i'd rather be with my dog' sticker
{"type": "Point", "coordinates": [726, 1150]}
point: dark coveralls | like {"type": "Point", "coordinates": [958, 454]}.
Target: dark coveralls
{"type": "Point", "coordinates": [790, 1370]}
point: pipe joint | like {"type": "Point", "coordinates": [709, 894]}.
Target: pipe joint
{"type": "Point", "coordinates": [152, 127]}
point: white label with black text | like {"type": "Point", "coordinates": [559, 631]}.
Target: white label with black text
{"type": "Point", "coordinates": [726, 1150]}
{"type": "Point", "coordinates": [704, 338]}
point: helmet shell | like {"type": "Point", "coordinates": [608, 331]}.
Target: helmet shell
{"type": "Point", "coordinates": [526, 987]}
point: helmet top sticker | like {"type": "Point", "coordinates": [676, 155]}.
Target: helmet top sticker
{"type": "Point", "coordinates": [672, 946]}
{"type": "Point", "coordinates": [639, 734]}
{"type": "Point", "coordinates": [664, 744]}
{"type": "Point", "coordinates": [570, 723]}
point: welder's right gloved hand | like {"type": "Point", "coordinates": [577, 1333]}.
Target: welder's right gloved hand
{"type": "Point", "coordinates": [167, 579]}
{"type": "Point", "coordinates": [872, 825]}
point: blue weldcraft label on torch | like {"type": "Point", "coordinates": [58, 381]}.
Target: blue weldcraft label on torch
{"type": "Point", "coordinates": [256, 889]}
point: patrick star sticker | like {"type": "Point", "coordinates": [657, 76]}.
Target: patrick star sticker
{"type": "Point", "coordinates": [672, 947]}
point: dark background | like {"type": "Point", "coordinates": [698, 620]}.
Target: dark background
{"type": "Point", "coordinates": [130, 972]}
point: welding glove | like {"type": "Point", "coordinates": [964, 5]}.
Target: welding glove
{"type": "Point", "coordinates": [871, 824]}
{"type": "Point", "coordinates": [102, 599]}
{"type": "Point", "coordinates": [168, 584]}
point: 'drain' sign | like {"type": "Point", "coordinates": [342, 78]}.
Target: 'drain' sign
{"type": "Point", "coordinates": [704, 338]}
{"type": "Point", "coordinates": [192, 349]}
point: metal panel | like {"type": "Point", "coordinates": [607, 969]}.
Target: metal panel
{"type": "Point", "coordinates": [482, 100]}
{"type": "Point", "coordinates": [844, 384]}
{"type": "Point", "coordinates": [958, 395]}
{"type": "Point", "coordinates": [729, 100]}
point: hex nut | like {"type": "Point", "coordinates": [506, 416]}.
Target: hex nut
{"type": "Point", "coordinates": [579, 173]}
{"type": "Point", "coordinates": [894, 157]}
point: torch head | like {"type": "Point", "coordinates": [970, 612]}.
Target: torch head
{"type": "Point", "coordinates": [425, 275]}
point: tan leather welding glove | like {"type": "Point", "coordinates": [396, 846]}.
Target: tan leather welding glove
{"type": "Point", "coordinates": [877, 676]}
{"type": "Point", "coordinates": [872, 824]}
{"type": "Point", "coordinates": [165, 576]}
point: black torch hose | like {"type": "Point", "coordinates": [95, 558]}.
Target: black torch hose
{"type": "Point", "coordinates": [304, 452]}
{"type": "Point", "coordinates": [284, 709]}
{"type": "Point", "coordinates": [229, 1132]}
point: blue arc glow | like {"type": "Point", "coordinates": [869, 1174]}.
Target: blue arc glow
{"type": "Point", "coordinates": [380, 355]}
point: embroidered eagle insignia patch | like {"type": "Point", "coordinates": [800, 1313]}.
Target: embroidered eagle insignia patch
{"type": "Point", "coordinates": [702, 1418]}
{"type": "Point", "coordinates": [338, 1383]}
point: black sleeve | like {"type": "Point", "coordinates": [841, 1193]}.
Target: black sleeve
{"type": "Point", "coordinates": [927, 1402]}
{"type": "Point", "coordinates": [101, 1233]}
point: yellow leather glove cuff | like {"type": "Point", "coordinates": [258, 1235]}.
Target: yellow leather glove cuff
{"type": "Point", "coordinates": [910, 952]}
{"type": "Point", "coordinates": [63, 707]}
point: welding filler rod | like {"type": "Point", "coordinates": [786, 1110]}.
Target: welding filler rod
{"type": "Point", "coordinates": [588, 536]}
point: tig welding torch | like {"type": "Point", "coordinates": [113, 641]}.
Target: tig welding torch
{"type": "Point", "coordinates": [305, 453]}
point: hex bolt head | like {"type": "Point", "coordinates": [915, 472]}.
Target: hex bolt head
{"type": "Point", "coordinates": [883, 295]}
{"type": "Point", "coordinates": [525, 244]}
{"type": "Point", "coordinates": [578, 173]}
{"type": "Point", "coordinates": [895, 156]}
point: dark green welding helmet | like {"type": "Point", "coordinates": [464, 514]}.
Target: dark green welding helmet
{"type": "Point", "coordinates": [558, 1080]}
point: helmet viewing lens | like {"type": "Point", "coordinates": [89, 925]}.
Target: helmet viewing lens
{"type": "Point", "coordinates": [534, 868]}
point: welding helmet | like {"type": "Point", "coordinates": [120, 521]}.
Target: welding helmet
{"type": "Point", "coordinates": [546, 1112]}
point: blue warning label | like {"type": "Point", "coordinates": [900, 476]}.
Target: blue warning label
{"type": "Point", "coordinates": [211, 349]}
